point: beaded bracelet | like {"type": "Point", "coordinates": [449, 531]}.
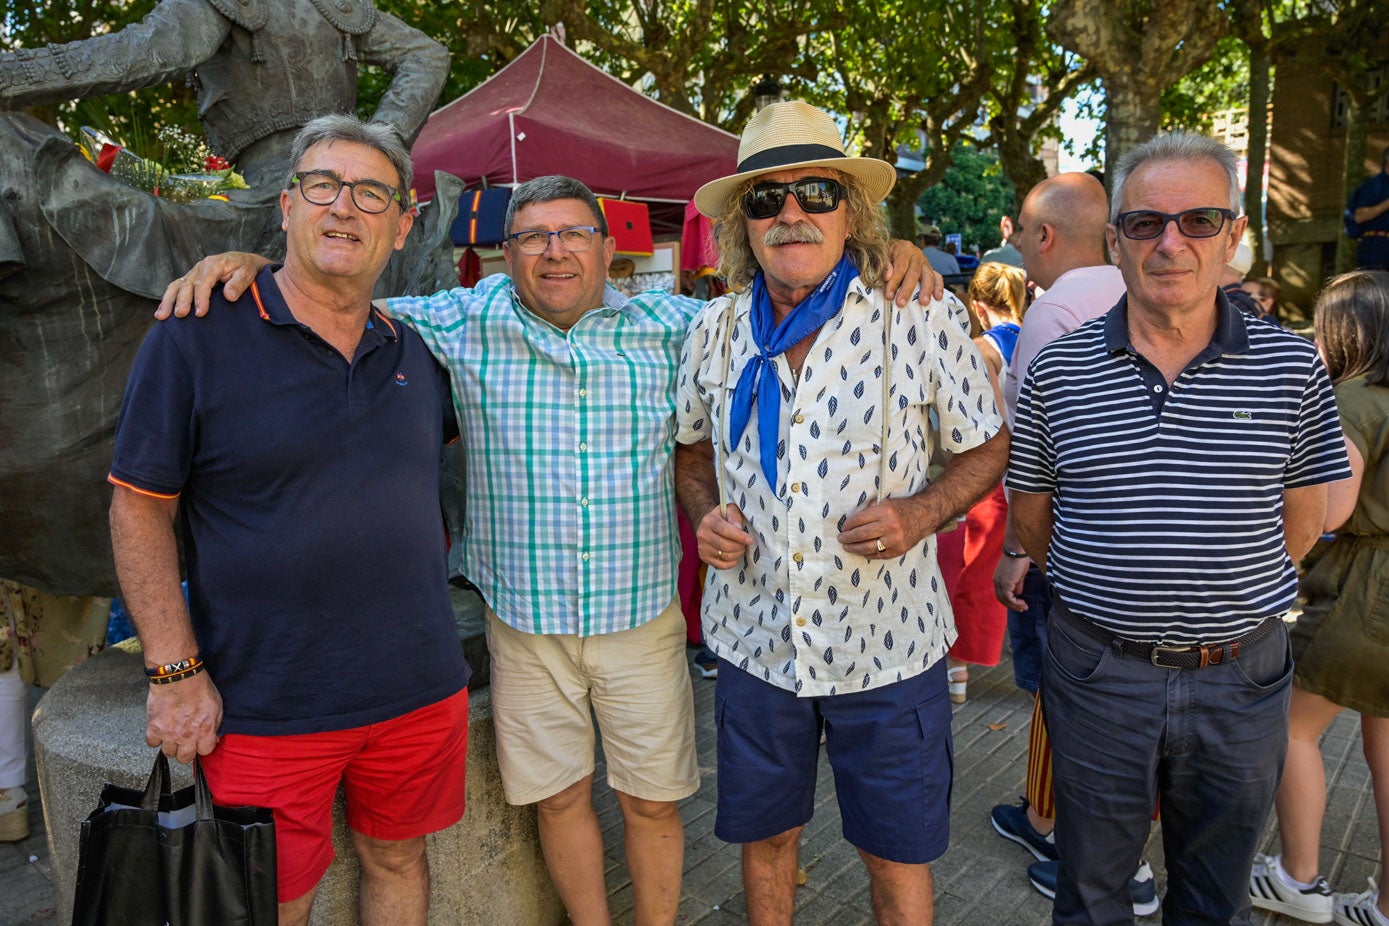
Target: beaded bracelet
{"type": "Point", "coordinates": [176, 676]}
{"type": "Point", "coordinates": [176, 668]}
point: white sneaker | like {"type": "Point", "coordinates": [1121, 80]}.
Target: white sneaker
{"type": "Point", "coordinates": [1270, 890]}
{"type": "Point", "coordinates": [14, 815]}
{"type": "Point", "coordinates": [1359, 909]}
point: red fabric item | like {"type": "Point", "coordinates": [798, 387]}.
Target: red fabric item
{"type": "Point", "coordinates": [697, 249]}
{"type": "Point", "coordinates": [629, 224]}
{"type": "Point", "coordinates": [403, 778]}
{"type": "Point", "coordinates": [551, 112]}
{"type": "Point", "coordinates": [968, 556]}
{"type": "Point", "coordinates": [469, 268]}
{"type": "Point", "coordinates": [689, 583]}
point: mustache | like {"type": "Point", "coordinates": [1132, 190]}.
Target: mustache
{"type": "Point", "coordinates": [800, 233]}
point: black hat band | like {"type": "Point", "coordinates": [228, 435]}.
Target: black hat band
{"type": "Point", "coordinates": [788, 154]}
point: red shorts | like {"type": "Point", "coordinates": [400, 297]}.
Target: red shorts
{"type": "Point", "coordinates": [403, 778]}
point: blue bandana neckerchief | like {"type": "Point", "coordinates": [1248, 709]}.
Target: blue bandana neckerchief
{"type": "Point", "coordinates": [771, 339]}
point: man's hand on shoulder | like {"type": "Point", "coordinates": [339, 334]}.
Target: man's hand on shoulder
{"type": "Point", "coordinates": [192, 292]}
{"type": "Point", "coordinates": [183, 717]}
{"type": "Point", "coordinates": [906, 268]}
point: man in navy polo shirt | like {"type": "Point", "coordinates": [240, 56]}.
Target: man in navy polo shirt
{"type": "Point", "coordinates": [296, 434]}
{"type": "Point", "coordinates": [1169, 465]}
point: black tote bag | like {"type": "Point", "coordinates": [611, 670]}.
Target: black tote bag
{"type": "Point", "coordinates": [153, 858]}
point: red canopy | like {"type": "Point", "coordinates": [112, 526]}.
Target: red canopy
{"type": "Point", "coordinates": [551, 112]}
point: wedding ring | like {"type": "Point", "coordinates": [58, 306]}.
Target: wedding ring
{"type": "Point", "coordinates": [881, 548]}
{"type": "Point", "coordinates": [722, 554]}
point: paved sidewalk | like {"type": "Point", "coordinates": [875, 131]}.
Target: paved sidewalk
{"type": "Point", "coordinates": [981, 881]}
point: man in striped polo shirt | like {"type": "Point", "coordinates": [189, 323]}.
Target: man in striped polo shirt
{"type": "Point", "coordinates": [1169, 465]}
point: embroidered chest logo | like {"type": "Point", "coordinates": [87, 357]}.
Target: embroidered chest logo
{"type": "Point", "coordinates": [1244, 416]}
{"type": "Point", "coordinates": [400, 380]}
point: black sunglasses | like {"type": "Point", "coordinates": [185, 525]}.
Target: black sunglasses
{"type": "Point", "coordinates": [815, 194]}
{"type": "Point", "coordinates": [1145, 224]}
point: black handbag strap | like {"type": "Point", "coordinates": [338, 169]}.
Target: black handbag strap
{"type": "Point", "coordinates": [158, 792]}
{"type": "Point", "coordinates": [201, 791]}
{"type": "Point", "coordinates": [158, 785]}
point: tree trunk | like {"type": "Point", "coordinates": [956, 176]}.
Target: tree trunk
{"type": "Point", "coordinates": [1259, 66]}
{"type": "Point", "coordinates": [1353, 171]}
{"type": "Point", "coordinates": [901, 202]}
{"type": "Point", "coordinates": [1135, 110]}
{"type": "Point", "coordinates": [1022, 169]}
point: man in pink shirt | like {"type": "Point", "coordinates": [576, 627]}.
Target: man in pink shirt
{"type": "Point", "coordinates": [1061, 236]}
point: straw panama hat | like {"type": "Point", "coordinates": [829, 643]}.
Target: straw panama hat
{"type": "Point", "coordinates": [789, 135]}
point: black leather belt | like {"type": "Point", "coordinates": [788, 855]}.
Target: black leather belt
{"type": "Point", "coordinates": [1196, 656]}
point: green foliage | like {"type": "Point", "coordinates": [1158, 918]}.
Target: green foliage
{"type": "Point", "coordinates": [1221, 83]}
{"type": "Point", "coordinates": [27, 24]}
{"type": "Point", "coordinates": [482, 38]}
{"type": "Point", "coordinates": [970, 199]}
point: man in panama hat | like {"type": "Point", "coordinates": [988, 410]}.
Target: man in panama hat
{"type": "Point", "coordinates": [802, 459]}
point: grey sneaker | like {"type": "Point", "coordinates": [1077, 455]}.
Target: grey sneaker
{"type": "Point", "coordinates": [1268, 890]}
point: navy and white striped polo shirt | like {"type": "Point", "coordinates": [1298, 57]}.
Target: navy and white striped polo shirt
{"type": "Point", "coordinates": [1168, 502]}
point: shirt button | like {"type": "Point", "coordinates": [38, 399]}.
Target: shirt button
{"type": "Point", "coordinates": [1157, 389]}
{"type": "Point", "coordinates": [800, 622]}
{"type": "Point", "coordinates": [582, 393]}
{"type": "Point", "coordinates": [583, 446]}
{"type": "Point", "coordinates": [584, 557]}
{"type": "Point", "coordinates": [800, 419]}
{"type": "Point", "coordinates": [584, 502]}
{"type": "Point", "coordinates": [795, 487]}
{"type": "Point", "coordinates": [797, 557]}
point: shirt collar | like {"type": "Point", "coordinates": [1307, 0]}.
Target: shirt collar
{"type": "Point", "coordinates": [271, 305]}
{"type": "Point", "coordinates": [1231, 334]}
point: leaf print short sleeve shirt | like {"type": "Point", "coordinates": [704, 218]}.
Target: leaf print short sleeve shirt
{"type": "Point", "coordinates": [798, 610]}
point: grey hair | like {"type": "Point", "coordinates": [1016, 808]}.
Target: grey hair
{"type": "Point", "coordinates": [547, 190]}
{"type": "Point", "coordinates": [1176, 146]}
{"type": "Point", "coordinates": [348, 128]}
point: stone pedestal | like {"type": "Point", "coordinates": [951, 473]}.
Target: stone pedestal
{"type": "Point", "coordinates": [90, 729]}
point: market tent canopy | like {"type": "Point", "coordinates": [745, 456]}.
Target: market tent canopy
{"type": "Point", "coordinates": [551, 112]}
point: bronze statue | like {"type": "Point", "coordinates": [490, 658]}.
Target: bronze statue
{"type": "Point", "coordinates": [83, 257]}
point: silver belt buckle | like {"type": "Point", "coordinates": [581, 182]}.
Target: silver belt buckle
{"type": "Point", "coordinates": [1174, 650]}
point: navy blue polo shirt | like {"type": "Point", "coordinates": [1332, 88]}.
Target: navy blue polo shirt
{"type": "Point", "coordinates": [1167, 500]}
{"type": "Point", "coordinates": [308, 491]}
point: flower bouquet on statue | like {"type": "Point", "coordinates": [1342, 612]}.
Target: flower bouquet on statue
{"type": "Point", "coordinates": [180, 168]}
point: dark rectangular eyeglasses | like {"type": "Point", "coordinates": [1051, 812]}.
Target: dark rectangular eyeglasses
{"type": "Point", "coordinates": [815, 194]}
{"type": "Point", "coordinates": [322, 188]}
{"type": "Point", "coordinates": [1145, 224]}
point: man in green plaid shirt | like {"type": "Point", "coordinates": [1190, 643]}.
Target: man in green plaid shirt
{"type": "Point", "coordinates": [565, 390]}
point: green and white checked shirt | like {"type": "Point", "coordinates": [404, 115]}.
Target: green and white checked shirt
{"type": "Point", "coordinates": [570, 523]}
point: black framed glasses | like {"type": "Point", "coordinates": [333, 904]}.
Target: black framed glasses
{"type": "Point", "coordinates": [1145, 224]}
{"type": "Point", "coordinates": [322, 188]}
{"type": "Point", "coordinates": [815, 194]}
{"type": "Point", "coordinates": [576, 239]}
